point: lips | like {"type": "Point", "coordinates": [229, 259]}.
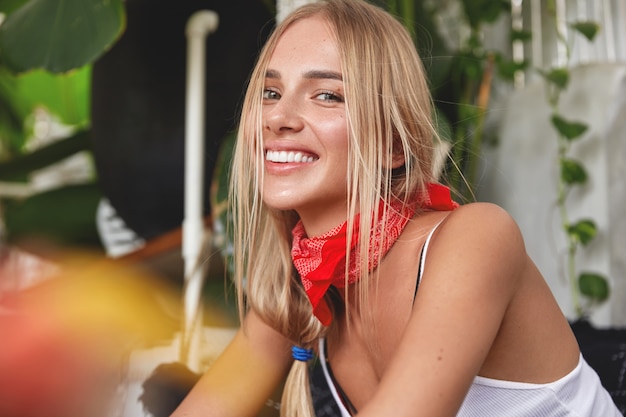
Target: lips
{"type": "Point", "coordinates": [289, 157]}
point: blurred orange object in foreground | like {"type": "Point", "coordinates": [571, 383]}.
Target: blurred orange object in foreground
{"type": "Point", "coordinates": [63, 342]}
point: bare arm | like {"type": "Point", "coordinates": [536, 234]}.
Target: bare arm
{"type": "Point", "coordinates": [243, 377]}
{"type": "Point", "coordinates": [473, 269]}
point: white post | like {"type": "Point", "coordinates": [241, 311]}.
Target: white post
{"type": "Point", "coordinates": [199, 25]}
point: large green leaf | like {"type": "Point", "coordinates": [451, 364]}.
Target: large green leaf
{"type": "Point", "coordinates": [12, 113]}
{"type": "Point", "coordinates": [59, 35]}
{"type": "Point", "coordinates": [66, 96]}
{"type": "Point", "coordinates": [65, 216]}
{"type": "Point", "coordinates": [8, 6]}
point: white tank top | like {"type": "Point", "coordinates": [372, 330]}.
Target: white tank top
{"type": "Point", "coordinates": [578, 394]}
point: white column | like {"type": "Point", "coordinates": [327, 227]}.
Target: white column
{"type": "Point", "coordinates": [199, 26]}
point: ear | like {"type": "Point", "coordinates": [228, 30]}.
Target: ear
{"type": "Point", "coordinates": [397, 153]}
{"type": "Point", "coordinates": [397, 160]}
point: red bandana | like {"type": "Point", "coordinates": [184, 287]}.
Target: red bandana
{"type": "Point", "coordinates": [321, 260]}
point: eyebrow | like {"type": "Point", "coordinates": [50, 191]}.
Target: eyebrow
{"type": "Point", "coordinates": [309, 75]}
{"type": "Point", "coordinates": [322, 74]}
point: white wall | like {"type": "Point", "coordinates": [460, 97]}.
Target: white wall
{"type": "Point", "coordinates": [520, 174]}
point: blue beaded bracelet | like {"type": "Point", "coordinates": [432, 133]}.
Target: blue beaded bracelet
{"type": "Point", "coordinates": [301, 354]}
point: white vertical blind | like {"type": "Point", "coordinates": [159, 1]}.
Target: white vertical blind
{"type": "Point", "coordinates": [608, 46]}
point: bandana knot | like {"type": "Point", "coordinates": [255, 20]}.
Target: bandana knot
{"type": "Point", "coordinates": [321, 260]}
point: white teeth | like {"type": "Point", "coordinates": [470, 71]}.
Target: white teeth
{"type": "Point", "coordinates": [284, 156]}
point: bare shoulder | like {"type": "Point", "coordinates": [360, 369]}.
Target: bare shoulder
{"type": "Point", "coordinates": [482, 243]}
{"type": "Point", "coordinates": [473, 268]}
{"type": "Point", "coordinates": [487, 214]}
{"type": "Point", "coordinates": [482, 225]}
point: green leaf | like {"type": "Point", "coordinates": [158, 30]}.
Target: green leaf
{"type": "Point", "coordinates": [568, 129]}
{"type": "Point", "coordinates": [583, 231]}
{"type": "Point", "coordinates": [8, 6]}
{"type": "Point", "coordinates": [65, 216]}
{"type": "Point", "coordinates": [468, 113]}
{"type": "Point", "coordinates": [521, 35]}
{"type": "Point", "coordinates": [60, 35]}
{"type": "Point", "coordinates": [483, 11]}
{"type": "Point", "coordinates": [594, 286]}
{"type": "Point", "coordinates": [12, 113]}
{"type": "Point", "coordinates": [557, 76]}
{"type": "Point", "coordinates": [407, 13]}
{"type": "Point", "coordinates": [17, 169]}
{"type": "Point", "coordinates": [66, 96]}
{"type": "Point", "coordinates": [467, 67]}
{"type": "Point", "coordinates": [507, 69]}
{"type": "Point", "coordinates": [572, 172]}
{"type": "Point", "coordinates": [588, 29]}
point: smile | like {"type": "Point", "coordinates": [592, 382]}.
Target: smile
{"type": "Point", "coordinates": [288, 156]}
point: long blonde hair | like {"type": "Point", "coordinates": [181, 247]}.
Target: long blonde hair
{"type": "Point", "coordinates": [388, 109]}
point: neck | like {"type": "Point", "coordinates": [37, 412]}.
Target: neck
{"type": "Point", "coordinates": [320, 221]}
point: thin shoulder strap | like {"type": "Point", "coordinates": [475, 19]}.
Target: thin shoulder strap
{"type": "Point", "coordinates": [341, 399]}
{"type": "Point", "coordinates": [420, 270]}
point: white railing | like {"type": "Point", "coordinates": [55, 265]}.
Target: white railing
{"type": "Point", "coordinates": [543, 51]}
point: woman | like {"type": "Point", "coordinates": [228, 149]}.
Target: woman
{"type": "Point", "coordinates": [334, 162]}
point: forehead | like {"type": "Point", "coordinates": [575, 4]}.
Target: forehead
{"type": "Point", "coordinates": [306, 41]}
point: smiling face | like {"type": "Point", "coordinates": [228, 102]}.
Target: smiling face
{"type": "Point", "coordinates": [305, 134]}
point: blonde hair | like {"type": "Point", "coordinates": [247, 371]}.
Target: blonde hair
{"type": "Point", "coordinates": [388, 109]}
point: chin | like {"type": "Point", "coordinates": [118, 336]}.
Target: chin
{"type": "Point", "coordinates": [279, 204]}
{"type": "Point", "coordinates": [282, 199]}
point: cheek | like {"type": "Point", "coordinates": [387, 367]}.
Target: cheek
{"type": "Point", "coordinates": [335, 133]}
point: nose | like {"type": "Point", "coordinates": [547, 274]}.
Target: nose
{"type": "Point", "coordinates": [283, 116]}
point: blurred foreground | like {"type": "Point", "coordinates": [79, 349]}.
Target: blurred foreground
{"type": "Point", "coordinates": [66, 339]}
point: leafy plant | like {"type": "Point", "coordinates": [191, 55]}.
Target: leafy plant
{"type": "Point", "coordinates": [63, 96]}
{"type": "Point", "coordinates": [461, 82]}
{"type": "Point", "coordinates": [578, 233]}
{"type": "Point", "coordinates": [31, 35]}
{"type": "Point", "coordinates": [46, 47]}
{"type": "Point", "coordinates": [460, 78]}
{"type": "Point", "coordinates": [56, 41]}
